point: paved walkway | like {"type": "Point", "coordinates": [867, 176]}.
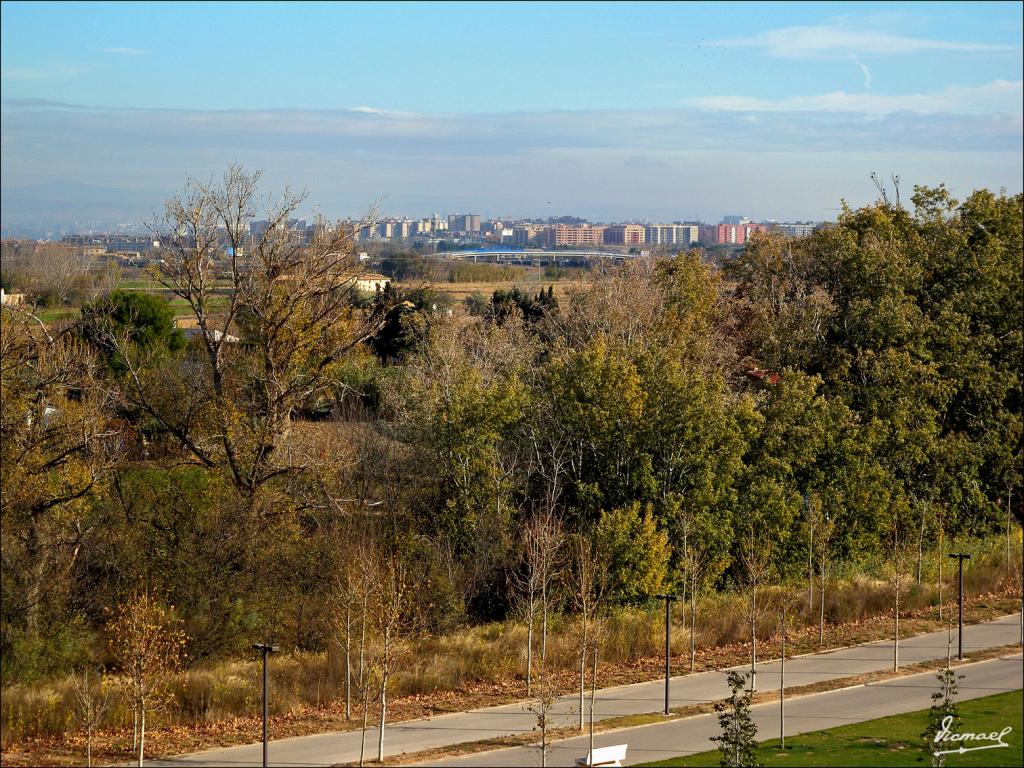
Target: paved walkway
{"type": "Point", "coordinates": [639, 698]}
{"type": "Point", "coordinates": [814, 712]}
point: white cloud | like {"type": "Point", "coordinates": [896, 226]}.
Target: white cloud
{"type": "Point", "coordinates": [119, 51]}
{"type": "Point", "coordinates": [382, 112]}
{"type": "Point", "coordinates": [834, 41]}
{"type": "Point", "coordinates": [865, 71]}
{"type": "Point", "coordinates": [997, 97]}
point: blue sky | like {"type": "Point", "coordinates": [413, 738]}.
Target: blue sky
{"type": "Point", "coordinates": [778, 109]}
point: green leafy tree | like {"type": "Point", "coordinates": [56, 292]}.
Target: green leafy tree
{"type": "Point", "coordinates": [460, 401]}
{"type": "Point", "coordinates": [943, 716]}
{"type": "Point", "coordinates": [596, 402]}
{"type": "Point", "coordinates": [144, 320]}
{"type": "Point", "coordinates": [738, 740]}
{"type": "Point", "coordinates": [636, 553]}
{"type": "Point", "coordinates": [515, 302]}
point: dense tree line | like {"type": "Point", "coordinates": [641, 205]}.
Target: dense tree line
{"type": "Point", "coordinates": [696, 428]}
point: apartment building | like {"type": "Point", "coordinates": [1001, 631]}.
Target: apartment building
{"type": "Point", "coordinates": [736, 234]}
{"type": "Point", "coordinates": [624, 234]}
{"type": "Point", "coordinates": [582, 236]}
{"type": "Point", "coordinates": [526, 234]}
{"type": "Point", "coordinates": [464, 222]}
{"type": "Point", "coordinates": [671, 234]}
{"type": "Point", "coordinates": [794, 229]}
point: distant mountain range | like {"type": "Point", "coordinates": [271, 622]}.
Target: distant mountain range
{"type": "Point", "coordinates": [55, 208]}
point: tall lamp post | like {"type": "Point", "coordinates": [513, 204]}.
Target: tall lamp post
{"type": "Point", "coordinates": [668, 648]}
{"type": "Point", "coordinates": [960, 556]}
{"type": "Point", "coordinates": [266, 649]}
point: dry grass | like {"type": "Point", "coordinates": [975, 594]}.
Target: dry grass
{"type": "Point", "coordinates": [218, 703]}
{"type": "Point", "coordinates": [458, 292]}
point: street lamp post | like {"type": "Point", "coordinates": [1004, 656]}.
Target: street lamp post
{"type": "Point", "coordinates": [960, 556]}
{"type": "Point", "coordinates": [266, 649]}
{"type": "Point", "coordinates": [668, 648]}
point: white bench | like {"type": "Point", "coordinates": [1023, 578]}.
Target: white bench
{"type": "Point", "coordinates": [611, 756]}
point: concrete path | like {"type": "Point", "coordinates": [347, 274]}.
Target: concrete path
{"type": "Point", "coordinates": [805, 713]}
{"type": "Point", "coordinates": [639, 698]}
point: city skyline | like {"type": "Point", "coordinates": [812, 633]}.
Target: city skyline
{"type": "Point", "coordinates": [677, 112]}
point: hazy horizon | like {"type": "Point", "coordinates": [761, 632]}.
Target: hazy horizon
{"type": "Point", "coordinates": [666, 112]}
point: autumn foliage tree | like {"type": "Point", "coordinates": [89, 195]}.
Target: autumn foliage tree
{"type": "Point", "coordinates": [57, 446]}
{"type": "Point", "coordinates": [145, 639]}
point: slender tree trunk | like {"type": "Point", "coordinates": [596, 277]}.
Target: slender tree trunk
{"type": "Point", "coordinates": [693, 619]}
{"type": "Point", "coordinates": [142, 732]}
{"type": "Point", "coordinates": [1009, 520]}
{"type": "Point", "coordinates": [810, 573]}
{"type": "Point", "coordinates": [362, 736]}
{"type": "Point", "coordinates": [544, 738]}
{"type": "Point", "coordinates": [529, 648]}
{"type": "Point", "coordinates": [383, 712]}
{"type": "Point", "coordinates": [88, 747]}
{"type": "Point", "coordinates": [920, 543]}
{"type": "Point", "coordinates": [348, 662]}
{"type": "Point", "coordinates": [544, 623]}
{"type": "Point", "coordinates": [896, 636]}
{"type": "Point", "coordinates": [135, 727]}
{"type": "Point", "coordinates": [821, 611]}
{"type": "Point", "coordinates": [362, 645]}
{"type": "Point", "coordinates": [753, 637]}
{"type": "Point", "coordinates": [782, 687]}
{"type": "Point", "coordinates": [942, 557]}
{"type": "Point", "coordinates": [583, 675]}
{"type": "Point", "coordinates": [593, 696]}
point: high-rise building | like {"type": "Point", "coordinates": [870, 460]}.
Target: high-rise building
{"type": "Point", "coordinates": [526, 234]}
{"type": "Point", "coordinates": [258, 229]}
{"type": "Point", "coordinates": [671, 234]}
{"type": "Point", "coordinates": [583, 235]}
{"type": "Point", "coordinates": [736, 234]}
{"type": "Point", "coordinates": [464, 222]}
{"type": "Point", "coordinates": [734, 219]}
{"type": "Point", "coordinates": [624, 234]}
{"type": "Point", "coordinates": [794, 229]}
{"type": "Point", "coordinates": [402, 229]}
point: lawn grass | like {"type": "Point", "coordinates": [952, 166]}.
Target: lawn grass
{"type": "Point", "coordinates": [57, 314]}
{"type": "Point", "coordinates": [890, 741]}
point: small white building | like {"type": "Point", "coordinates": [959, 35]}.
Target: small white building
{"type": "Point", "coordinates": [11, 298]}
{"type": "Point", "coordinates": [372, 283]}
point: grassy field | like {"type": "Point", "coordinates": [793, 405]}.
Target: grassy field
{"type": "Point", "coordinates": [891, 741]}
{"type": "Point", "coordinates": [57, 314]}
{"type": "Point", "coordinates": [460, 291]}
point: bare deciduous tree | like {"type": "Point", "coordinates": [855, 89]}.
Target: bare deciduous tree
{"type": "Point", "coordinates": [756, 555]}
{"type": "Point", "coordinates": [898, 542]}
{"type": "Point", "coordinates": [543, 703]}
{"type": "Point", "coordinates": [92, 698]}
{"type": "Point", "coordinates": [541, 543]}
{"type": "Point", "coordinates": [391, 617]}
{"type": "Point", "coordinates": [350, 597]}
{"type": "Point", "coordinates": [586, 575]}
{"type": "Point", "coordinates": [826, 531]}
{"type": "Point", "coordinates": [274, 317]}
